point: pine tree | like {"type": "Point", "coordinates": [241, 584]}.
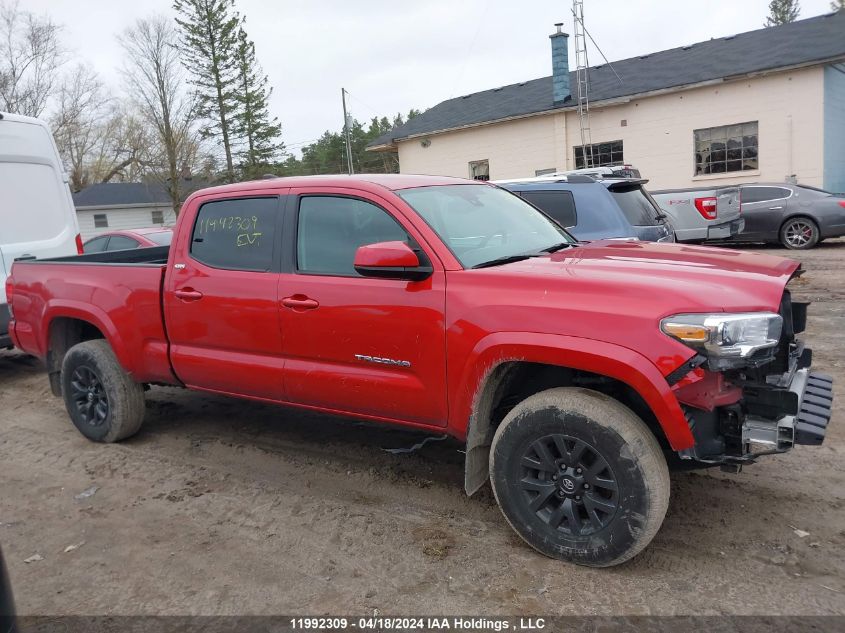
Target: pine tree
{"type": "Point", "coordinates": [258, 132]}
{"type": "Point", "coordinates": [782, 12]}
{"type": "Point", "coordinates": [208, 44]}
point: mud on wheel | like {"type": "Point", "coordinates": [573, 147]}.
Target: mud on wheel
{"type": "Point", "coordinates": [103, 402]}
{"type": "Point", "coordinates": [579, 477]}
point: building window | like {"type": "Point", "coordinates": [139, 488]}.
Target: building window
{"type": "Point", "coordinates": [724, 149]}
{"type": "Point", "coordinates": [158, 217]}
{"type": "Point", "coordinates": [101, 221]}
{"type": "Point", "coordinates": [603, 155]}
{"type": "Point", "coordinates": [543, 172]}
{"type": "Point", "coordinates": [479, 170]}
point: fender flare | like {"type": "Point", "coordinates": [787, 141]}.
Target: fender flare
{"type": "Point", "coordinates": [91, 314]}
{"type": "Point", "coordinates": [598, 357]}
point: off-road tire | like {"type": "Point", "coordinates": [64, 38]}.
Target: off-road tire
{"type": "Point", "coordinates": [115, 409]}
{"type": "Point", "coordinates": [582, 427]}
{"type": "Point", "coordinates": [799, 233]}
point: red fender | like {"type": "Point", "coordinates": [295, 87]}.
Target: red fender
{"type": "Point", "coordinates": [598, 357]}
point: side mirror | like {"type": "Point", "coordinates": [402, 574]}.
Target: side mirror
{"type": "Point", "coordinates": [390, 260]}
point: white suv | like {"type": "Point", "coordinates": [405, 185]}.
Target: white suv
{"type": "Point", "coordinates": [38, 218]}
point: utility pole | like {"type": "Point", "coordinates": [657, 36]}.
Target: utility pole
{"type": "Point", "coordinates": [347, 132]}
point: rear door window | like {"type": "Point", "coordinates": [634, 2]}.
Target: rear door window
{"type": "Point", "coordinates": [636, 206]}
{"type": "Point", "coordinates": [764, 194]}
{"type": "Point", "coordinates": [559, 205]}
{"type": "Point", "coordinates": [97, 245]}
{"type": "Point", "coordinates": [236, 234]}
{"type": "Point", "coordinates": [122, 243]}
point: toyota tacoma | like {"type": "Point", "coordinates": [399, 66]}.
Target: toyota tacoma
{"type": "Point", "coordinates": [574, 373]}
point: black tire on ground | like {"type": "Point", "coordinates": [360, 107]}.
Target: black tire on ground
{"type": "Point", "coordinates": [799, 233]}
{"type": "Point", "coordinates": [579, 477]}
{"type": "Point", "coordinates": [104, 403]}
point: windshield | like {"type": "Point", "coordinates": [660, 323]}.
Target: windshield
{"type": "Point", "coordinates": [481, 224]}
{"type": "Point", "coordinates": [162, 238]}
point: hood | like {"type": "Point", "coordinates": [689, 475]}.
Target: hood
{"type": "Point", "coordinates": [669, 278]}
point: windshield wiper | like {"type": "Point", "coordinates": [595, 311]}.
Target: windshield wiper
{"type": "Point", "coordinates": [507, 259]}
{"type": "Point", "coordinates": [557, 247]}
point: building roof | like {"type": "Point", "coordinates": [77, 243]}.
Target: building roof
{"type": "Point", "coordinates": [803, 42]}
{"type": "Point", "coordinates": [105, 194]}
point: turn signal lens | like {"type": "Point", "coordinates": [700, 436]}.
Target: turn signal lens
{"type": "Point", "coordinates": [686, 332]}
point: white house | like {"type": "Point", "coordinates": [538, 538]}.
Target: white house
{"type": "Point", "coordinates": [765, 105]}
{"type": "Point", "coordinates": [112, 206]}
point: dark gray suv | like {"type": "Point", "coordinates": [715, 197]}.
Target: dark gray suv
{"type": "Point", "coordinates": [590, 209]}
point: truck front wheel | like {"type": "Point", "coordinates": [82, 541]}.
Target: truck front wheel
{"type": "Point", "coordinates": [579, 476]}
{"type": "Point", "coordinates": [104, 403]}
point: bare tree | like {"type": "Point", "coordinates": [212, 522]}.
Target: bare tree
{"type": "Point", "coordinates": [80, 123]}
{"type": "Point", "coordinates": [30, 55]}
{"type": "Point", "coordinates": [128, 146]}
{"type": "Point", "coordinates": [156, 81]}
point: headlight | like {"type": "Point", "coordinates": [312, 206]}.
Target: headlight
{"type": "Point", "coordinates": [725, 336]}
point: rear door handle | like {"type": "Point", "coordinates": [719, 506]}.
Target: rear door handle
{"type": "Point", "coordinates": [774, 208]}
{"type": "Point", "coordinates": [300, 303]}
{"type": "Point", "coordinates": [188, 294]}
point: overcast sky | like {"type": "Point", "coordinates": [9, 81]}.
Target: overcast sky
{"type": "Point", "coordinates": [392, 55]}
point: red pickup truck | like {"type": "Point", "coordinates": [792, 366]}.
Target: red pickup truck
{"type": "Point", "coordinates": [575, 373]}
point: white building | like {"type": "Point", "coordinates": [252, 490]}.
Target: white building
{"type": "Point", "coordinates": [759, 106]}
{"type": "Point", "coordinates": [113, 206]}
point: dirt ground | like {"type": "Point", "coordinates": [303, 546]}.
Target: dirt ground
{"type": "Point", "coordinates": [227, 507]}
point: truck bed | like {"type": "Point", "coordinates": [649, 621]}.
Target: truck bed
{"type": "Point", "coordinates": [119, 291]}
{"type": "Point", "coordinates": [156, 255]}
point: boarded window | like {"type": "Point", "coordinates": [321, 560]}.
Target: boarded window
{"type": "Point", "coordinates": [101, 221]}
{"type": "Point", "coordinates": [479, 170]}
{"type": "Point", "coordinates": [158, 217]}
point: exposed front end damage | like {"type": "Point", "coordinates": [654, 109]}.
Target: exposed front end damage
{"type": "Point", "coordinates": [766, 407]}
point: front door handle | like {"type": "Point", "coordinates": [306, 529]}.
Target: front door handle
{"type": "Point", "coordinates": [299, 303]}
{"type": "Point", "coordinates": [775, 208]}
{"type": "Point", "coordinates": [188, 294]}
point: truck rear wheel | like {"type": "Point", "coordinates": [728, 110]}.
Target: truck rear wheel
{"type": "Point", "coordinates": [579, 477]}
{"type": "Point", "coordinates": [104, 403]}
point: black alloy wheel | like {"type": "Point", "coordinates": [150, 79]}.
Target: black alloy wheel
{"type": "Point", "coordinates": [569, 485]}
{"type": "Point", "coordinates": [89, 396]}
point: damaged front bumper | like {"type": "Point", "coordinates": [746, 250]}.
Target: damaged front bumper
{"type": "Point", "coordinates": [814, 395]}
{"type": "Point", "coordinates": [740, 415]}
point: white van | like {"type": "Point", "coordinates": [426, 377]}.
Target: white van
{"type": "Point", "coordinates": [37, 217]}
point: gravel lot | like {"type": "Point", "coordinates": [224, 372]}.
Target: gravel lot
{"type": "Point", "coordinates": [227, 507]}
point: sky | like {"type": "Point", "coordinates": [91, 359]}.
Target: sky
{"type": "Point", "coordinates": [394, 55]}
